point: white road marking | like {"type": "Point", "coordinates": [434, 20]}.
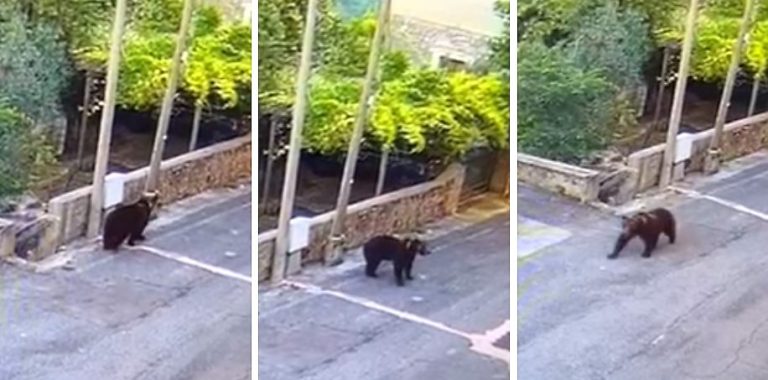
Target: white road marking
{"type": "Point", "coordinates": [199, 222]}
{"type": "Point", "coordinates": [192, 262]}
{"type": "Point", "coordinates": [732, 205]}
{"type": "Point", "coordinates": [482, 344]}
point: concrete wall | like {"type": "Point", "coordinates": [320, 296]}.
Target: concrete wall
{"type": "Point", "coordinates": [216, 166]}
{"type": "Point", "coordinates": [397, 212]}
{"type": "Point", "coordinates": [557, 177]}
{"type": "Point", "coordinates": [740, 138]}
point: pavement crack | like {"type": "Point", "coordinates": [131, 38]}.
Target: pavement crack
{"type": "Point", "coordinates": [744, 343]}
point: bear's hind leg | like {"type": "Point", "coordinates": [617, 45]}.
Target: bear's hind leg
{"type": "Point", "coordinates": [670, 232]}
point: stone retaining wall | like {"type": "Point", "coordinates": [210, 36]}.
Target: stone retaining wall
{"type": "Point", "coordinates": [221, 165]}
{"type": "Point", "coordinates": [740, 138]}
{"type": "Point", "coordinates": [397, 212]}
{"type": "Point", "coordinates": [557, 177]}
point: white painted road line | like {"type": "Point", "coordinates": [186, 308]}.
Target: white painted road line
{"type": "Point", "coordinates": [732, 205]}
{"type": "Point", "coordinates": [192, 262]}
{"type": "Point", "coordinates": [482, 344]}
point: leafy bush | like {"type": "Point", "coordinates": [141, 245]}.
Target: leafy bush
{"type": "Point", "coordinates": [562, 109]}
{"type": "Point", "coordinates": [24, 156]}
{"type": "Point", "coordinates": [34, 68]}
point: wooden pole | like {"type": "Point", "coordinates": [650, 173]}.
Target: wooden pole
{"type": "Point", "coordinates": [387, 38]}
{"type": "Point", "coordinates": [679, 97]}
{"type": "Point", "coordinates": [280, 255]}
{"type": "Point", "coordinates": [334, 249]}
{"type": "Point", "coordinates": [107, 116]}
{"type": "Point", "coordinates": [712, 159]}
{"type": "Point", "coordinates": [170, 94]}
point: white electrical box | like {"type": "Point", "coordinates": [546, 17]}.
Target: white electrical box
{"type": "Point", "coordinates": [298, 233]}
{"type": "Point", "coordinates": [683, 147]}
{"type": "Point", "coordinates": [114, 189]}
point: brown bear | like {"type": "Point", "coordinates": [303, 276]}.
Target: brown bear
{"type": "Point", "coordinates": [648, 225]}
{"type": "Point", "coordinates": [128, 221]}
{"type": "Point", "coordinates": [400, 252]}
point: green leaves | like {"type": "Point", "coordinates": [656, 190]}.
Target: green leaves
{"type": "Point", "coordinates": [34, 68]}
{"type": "Point", "coordinates": [219, 66]}
{"type": "Point", "coordinates": [24, 156]}
{"type": "Point", "coordinates": [563, 109]}
{"type": "Point", "coordinates": [713, 50]}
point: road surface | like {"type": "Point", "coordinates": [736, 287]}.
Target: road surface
{"type": "Point", "coordinates": [697, 309]}
{"type": "Point", "coordinates": [138, 315]}
{"type": "Point", "coordinates": [338, 324]}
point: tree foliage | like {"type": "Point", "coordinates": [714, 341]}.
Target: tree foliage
{"type": "Point", "coordinates": [499, 55]}
{"type": "Point", "coordinates": [439, 114]}
{"type": "Point", "coordinates": [613, 41]}
{"type": "Point", "coordinates": [25, 157]}
{"type": "Point", "coordinates": [34, 69]}
{"type": "Point", "coordinates": [563, 109]}
{"type": "Point", "coordinates": [219, 68]}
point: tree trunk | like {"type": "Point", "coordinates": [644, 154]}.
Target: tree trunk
{"type": "Point", "coordinates": [382, 171]}
{"type": "Point", "coordinates": [654, 126]}
{"type": "Point", "coordinates": [84, 119]}
{"type": "Point", "coordinates": [195, 127]}
{"type": "Point", "coordinates": [753, 97]}
{"type": "Point", "coordinates": [270, 162]}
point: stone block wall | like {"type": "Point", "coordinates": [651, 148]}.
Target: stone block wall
{"type": "Point", "coordinates": [266, 243]}
{"type": "Point", "coordinates": [401, 211]}
{"type": "Point", "coordinates": [221, 165]}
{"type": "Point", "coordinates": [740, 138]}
{"type": "Point", "coordinates": [557, 177]}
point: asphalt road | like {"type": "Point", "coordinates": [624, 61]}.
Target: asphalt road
{"type": "Point", "coordinates": [331, 330]}
{"type": "Point", "coordinates": [697, 309]}
{"type": "Point", "coordinates": [135, 314]}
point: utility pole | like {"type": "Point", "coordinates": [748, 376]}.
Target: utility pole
{"type": "Point", "coordinates": [170, 93]}
{"type": "Point", "coordinates": [712, 160]}
{"type": "Point", "coordinates": [107, 116]}
{"type": "Point", "coordinates": [334, 249]}
{"type": "Point", "coordinates": [387, 41]}
{"type": "Point", "coordinates": [294, 150]}
{"type": "Point", "coordinates": [677, 102]}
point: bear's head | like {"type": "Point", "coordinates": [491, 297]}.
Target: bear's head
{"type": "Point", "coordinates": [630, 225]}
{"type": "Point", "coordinates": [417, 246]}
{"type": "Point", "coordinates": [151, 199]}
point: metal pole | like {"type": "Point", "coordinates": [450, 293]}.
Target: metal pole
{"type": "Point", "coordinates": [712, 160]}
{"type": "Point", "coordinates": [677, 103]}
{"type": "Point", "coordinates": [294, 150]}
{"type": "Point", "coordinates": [170, 93]}
{"type": "Point", "coordinates": [333, 251]}
{"type": "Point", "coordinates": [107, 115]}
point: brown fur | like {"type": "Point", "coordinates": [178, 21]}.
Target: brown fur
{"type": "Point", "coordinates": [128, 222]}
{"type": "Point", "coordinates": [388, 248]}
{"type": "Point", "coordinates": [648, 226]}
